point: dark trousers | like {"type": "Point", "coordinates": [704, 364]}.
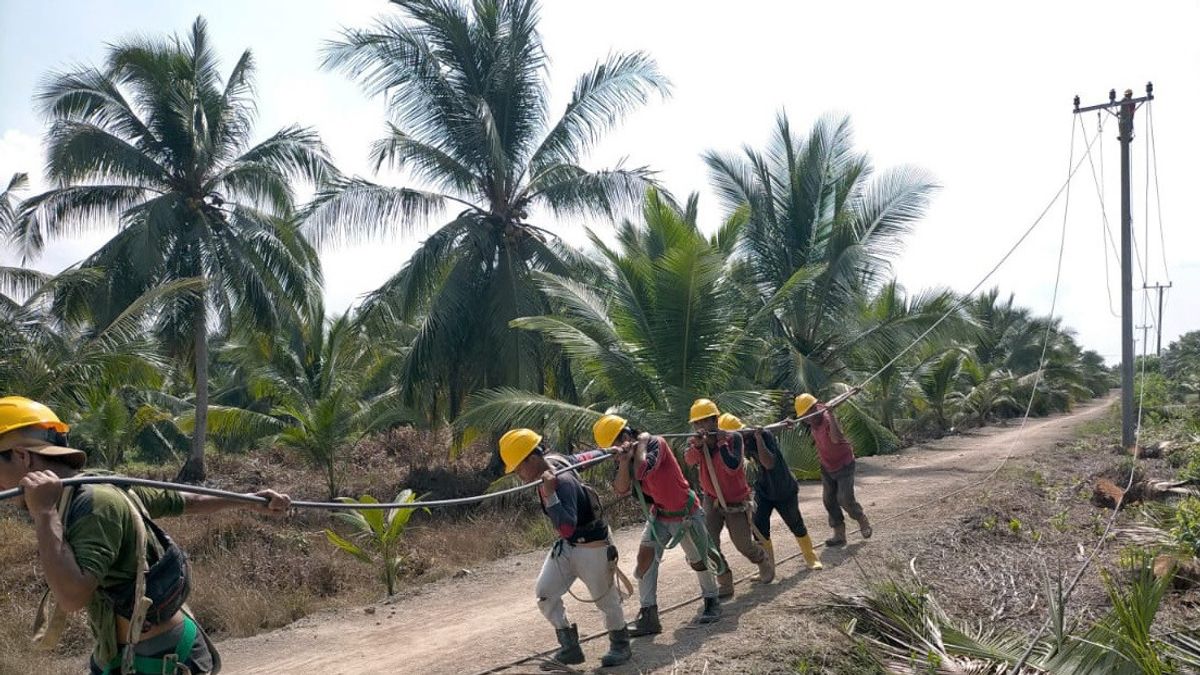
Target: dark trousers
{"type": "Point", "coordinates": [838, 495]}
{"type": "Point", "coordinates": [788, 508]}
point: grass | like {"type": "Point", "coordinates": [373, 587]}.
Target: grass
{"type": "Point", "coordinates": [837, 659]}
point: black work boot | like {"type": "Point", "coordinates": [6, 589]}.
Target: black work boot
{"type": "Point", "coordinates": [569, 652]}
{"type": "Point", "coordinates": [647, 622]}
{"type": "Point", "coordinates": [618, 649]}
{"type": "Point", "coordinates": [711, 611]}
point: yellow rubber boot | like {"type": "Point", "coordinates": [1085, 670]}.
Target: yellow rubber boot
{"type": "Point", "coordinates": [810, 556]}
{"type": "Point", "coordinates": [769, 547]}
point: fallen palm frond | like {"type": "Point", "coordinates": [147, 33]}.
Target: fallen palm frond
{"type": "Point", "coordinates": [905, 629]}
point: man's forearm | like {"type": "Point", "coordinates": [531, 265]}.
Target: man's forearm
{"type": "Point", "coordinates": [622, 483]}
{"type": "Point", "coordinates": [202, 504]}
{"type": "Point", "coordinates": [765, 456]}
{"type": "Point", "coordinates": [71, 586]}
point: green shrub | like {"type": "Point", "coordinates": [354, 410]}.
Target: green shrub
{"type": "Point", "coordinates": [1186, 531]}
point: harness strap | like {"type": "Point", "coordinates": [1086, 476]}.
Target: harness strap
{"type": "Point", "coordinates": [712, 474]}
{"type": "Point", "coordinates": [684, 513]}
{"type": "Point", "coordinates": [709, 554]}
{"type": "Point", "coordinates": [698, 534]}
{"type": "Point", "coordinates": [164, 665]}
{"type": "Point", "coordinates": [653, 516]}
{"type": "Point", "coordinates": [141, 603]}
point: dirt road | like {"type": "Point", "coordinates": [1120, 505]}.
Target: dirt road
{"type": "Point", "coordinates": [489, 617]}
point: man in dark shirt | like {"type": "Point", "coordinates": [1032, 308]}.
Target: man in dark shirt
{"type": "Point", "coordinates": [584, 549]}
{"type": "Point", "coordinates": [775, 488]}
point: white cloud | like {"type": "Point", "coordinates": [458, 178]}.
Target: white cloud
{"type": "Point", "coordinates": [21, 153]}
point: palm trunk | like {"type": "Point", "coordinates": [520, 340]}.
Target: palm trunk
{"type": "Point", "coordinates": [331, 477]}
{"type": "Point", "coordinates": [193, 470]}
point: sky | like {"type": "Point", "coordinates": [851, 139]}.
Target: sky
{"type": "Point", "coordinates": [979, 95]}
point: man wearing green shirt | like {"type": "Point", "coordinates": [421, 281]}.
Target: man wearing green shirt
{"type": "Point", "coordinates": [88, 547]}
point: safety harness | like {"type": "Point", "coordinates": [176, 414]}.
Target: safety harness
{"type": "Point", "coordinates": [746, 507]}
{"type": "Point", "coordinates": [590, 525]}
{"type": "Point", "coordinates": [698, 534]}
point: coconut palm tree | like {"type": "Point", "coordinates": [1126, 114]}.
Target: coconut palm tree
{"type": "Point", "coordinates": [159, 144]}
{"type": "Point", "coordinates": [53, 349]}
{"type": "Point", "coordinates": [664, 327]}
{"type": "Point", "coordinates": [887, 322]}
{"type": "Point", "coordinates": [1033, 350]}
{"type": "Point", "coordinates": [466, 90]}
{"type": "Point", "coordinates": [986, 393]}
{"type": "Point", "coordinates": [818, 209]}
{"type": "Point", "coordinates": [317, 385]}
{"type": "Point", "coordinates": [939, 380]}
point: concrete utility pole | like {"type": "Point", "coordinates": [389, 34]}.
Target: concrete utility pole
{"type": "Point", "coordinates": [1126, 108]}
{"type": "Point", "coordinates": [1145, 329]}
{"type": "Point", "coordinates": [1160, 288]}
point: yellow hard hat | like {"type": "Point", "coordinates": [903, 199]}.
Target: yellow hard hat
{"type": "Point", "coordinates": [607, 429]}
{"type": "Point", "coordinates": [515, 446]}
{"type": "Point", "coordinates": [803, 403]}
{"type": "Point", "coordinates": [17, 412]}
{"type": "Point", "coordinates": [729, 422]}
{"type": "Point", "coordinates": [702, 409]}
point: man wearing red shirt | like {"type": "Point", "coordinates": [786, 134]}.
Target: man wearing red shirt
{"type": "Point", "coordinates": [648, 467]}
{"type": "Point", "coordinates": [719, 455]}
{"type": "Point", "coordinates": [836, 456]}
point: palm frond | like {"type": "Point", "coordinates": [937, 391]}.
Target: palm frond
{"type": "Point", "coordinates": [71, 210]}
{"type": "Point", "coordinates": [600, 99]}
{"type": "Point", "coordinates": [82, 151]}
{"type": "Point", "coordinates": [355, 209]}
{"type": "Point", "coordinates": [496, 410]}
{"type": "Point", "coordinates": [571, 190]}
{"type": "Point", "coordinates": [20, 282]}
{"type": "Point", "coordinates": [294, 152]}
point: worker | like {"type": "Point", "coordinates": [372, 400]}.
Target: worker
{"type": "Point", "coordinates": [647, 467]}
{"type": "Point", "coordinates": [775, 488]}
{"type": "Point", "coordinates": [726, 500]}
{"type": "Point", "coordinates": [100, 549]}
{"type": "Point", "coordinates": [584, 549]}
{"type": "Point", "coordinates": [836, 457]}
